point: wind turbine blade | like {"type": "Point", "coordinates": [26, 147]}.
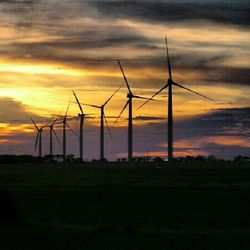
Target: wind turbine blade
{"type": "Point", "coordinates": [59, 122]}
{"type": "Point", "coordinates": [190, 90]}
{"type": "Point", "coordinates": [105, 118]}
{"type": "Point", "coordinates": [91, 105]}
{"type": "Point", "coordinates": [58, 117]}
{"type": "Point", "coordinates": [151, 98]}
{"type": "Point", "coordinates": [73, 132]}
{"type": "Point", "coordinates": [46, 125]}
{"type": "Point", "coordinates": [112, 96]}
{"type": "Point", "coordinates": [54, 122]}
{"type": "Point", "coordinates": [169, 65]}
{"type": "Point", "coordinates": [54, 132]}
{"type": "Point", "coordinates": [121, 113]}
{"type": "Point", "coordinates": [77, 100]}
{"type": "Point", "coordinates": [140, 97]}
{"type": "Point", "coordinates": [126, 81]}
{"type": "Point", "coordinates": [145, 98]}
{"type": "Point", "coordinates": [37, 137]}
{"type": "Point", "coordinates": [34, 123]}
{"type": "Point", "coordinates": [67, 109]}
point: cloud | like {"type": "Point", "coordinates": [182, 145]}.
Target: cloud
{"type": "Point", "coordinates": [224, 133]}
{"type": "Point", "coordinates": [17, 1]}
{"type": "Point", "coordinates": [222, 122]}
{"type": "Point", "coordinates": [229, 75]}
{"type": "Point", "coordinates": [93, 34]}
{"type": "Point", "coordinates": [15, 112]}
{"type": "Point", "coordinates": [233, 12]}
{"type": "Point", "coordinates": [224, 147]}
{"type": "Point", "coordinates": [148, 118]}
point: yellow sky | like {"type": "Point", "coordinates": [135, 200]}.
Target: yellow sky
{"type": "Point", "coordinates": [44, 99]}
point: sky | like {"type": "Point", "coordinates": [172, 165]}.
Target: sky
{"type": "Point", "coordinates": [49, 48]}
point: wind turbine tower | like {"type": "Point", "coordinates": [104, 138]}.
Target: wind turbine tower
{"type": "Point", "coordinates": [103, 118]}
{"type": "Point", "coordinates": [51, 132]}
{"type": "Point", "coordinates": [130, 97]}
{"type": "Point", "coordinates": [65, 124]}
{"type": "Point", "coordinates": [81, 115]}
{"type": "Point", "coordinates": [38, 138]}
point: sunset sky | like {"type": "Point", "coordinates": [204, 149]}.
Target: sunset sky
{"type": "Point", "coordinates": [50, 47]}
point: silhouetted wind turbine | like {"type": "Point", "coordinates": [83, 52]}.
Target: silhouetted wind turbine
{"type": "Point", "coordinates": [130, 97]}
{"type": "Point", "coordinates": [38, 137]}
{"type": "Point", "coordinates": [169, 85]}
{"type": "Point", "coordinates": [81, 115]}
{"type": "Point", "coordinates": [103, 118]}
{"type": "Point", "coordinates": [65, 124]}
{"type": "Point", "coordinates": [51, 132]}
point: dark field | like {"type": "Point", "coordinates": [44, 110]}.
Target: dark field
{"type": "Point", "coordinates": [184, 206]}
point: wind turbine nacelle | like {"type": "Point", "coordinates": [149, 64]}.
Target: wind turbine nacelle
{"type": "Point", "coordinates": [129, 95]}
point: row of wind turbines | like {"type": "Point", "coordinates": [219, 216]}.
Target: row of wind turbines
{"type": "Point", "coordinates": [130, 96]}
{"type": "Point", "coordinates": [63, 120]}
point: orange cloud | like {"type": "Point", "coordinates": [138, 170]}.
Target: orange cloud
{"type": "Point", "coordinates": [8, 129]}
{"type": "Point", "coordinates": [229, 141]}
{"type": "Point", "coordinates": [201, 142]}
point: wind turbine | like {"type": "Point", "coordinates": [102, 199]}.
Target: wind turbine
{"type": "Point", "coordinates": [81, 115]}
{"type": "Point", "coordinates": [130, 97]}
{"type": "Point", "coordinates": [103, 118]}
{"type": "Point", "coordinates": [65, 124]}
{"type": "Point", "coordinates": [169, 85]}
{"type": "Point", "coordinates": [38, 137]}
{"type": "Point", "coordinates": [51, 132]}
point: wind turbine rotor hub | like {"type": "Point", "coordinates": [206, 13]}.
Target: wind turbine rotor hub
{"type": "Point", "coordinates": [129, 95]}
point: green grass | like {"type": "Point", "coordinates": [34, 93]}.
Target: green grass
{"type": "Point", "coordinates": [184, 206]}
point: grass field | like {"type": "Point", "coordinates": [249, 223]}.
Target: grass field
{"type": "Point", "coordinates": [183, 206]}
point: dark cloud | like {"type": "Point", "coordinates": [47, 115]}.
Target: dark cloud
{"type": "Point", "coordinates": [222, 122]}
{"type": "Point", "coordinates": [78, 44]}
{"type": "Point", "coordinates": [225, 123]}
{"type": "Point", "coordinates": [13, 111]}
{"type": "Point", "coordinates": [37, 12]}
{"type": "Point", "coordinates": [148, 118]}
{"type": "Point", "coordinates": [231, 12]}
{"type": "Point", "coordinates": [17, 1]}
{"type": "Point", "coordinates": [89, 40]}
{"type": "Point", "coordinates": [211, 68]}
{"type": "Point", "coordinates": [229, 75]}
